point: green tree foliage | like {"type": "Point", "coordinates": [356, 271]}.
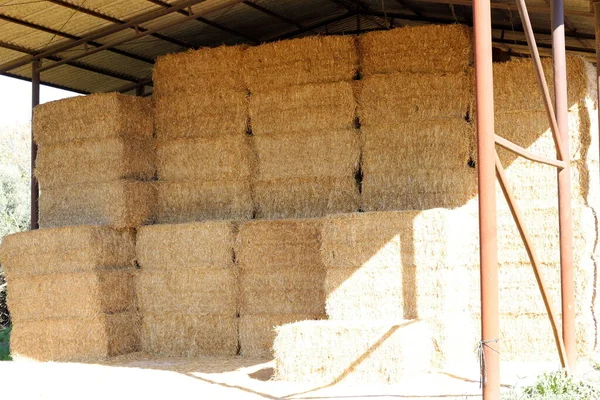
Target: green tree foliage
{"type": "Point", "coordinates": [14, 193]}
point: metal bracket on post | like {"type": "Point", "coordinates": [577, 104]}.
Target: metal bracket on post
{"type": "Point", "coordinates": [35, 100]}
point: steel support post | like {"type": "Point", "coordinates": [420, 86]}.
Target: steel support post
{"type": "Point", "coordinates": [564, 183]}
{"type": "Point", "coordinates": [35, 100]}
{"type": "Point", "coordinates": [486, 170]}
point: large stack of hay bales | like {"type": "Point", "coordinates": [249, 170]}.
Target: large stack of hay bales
{"type": "Point", "coordinates": [414, 102]}
{"type": "Point", "coordinates": [203, 153]}
{"type": "Point", "coordinates": [71, 294]}
{"type": "Point", "coordinates": [302, 113]}
{"type": "Point", "coordinates": [281, 279]}
{"type": "Point", "coordinates": [94, 153]}
{"type": "Point", "coordinates": [186, 289]}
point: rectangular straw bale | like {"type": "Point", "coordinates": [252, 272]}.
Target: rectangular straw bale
{"type": "Point", "coordinates": [197, 200]}
{"type": "Point", "coordinates": [455, 338]}
{"type": "Point", "coordinates": [305, 197]}
{"type": "Point", "coordinates": [273, 301]}
{"type": "Point", "coordinates": [274, 245]}
{"type": "Point", "coordinates": [311, 107]}
{"type": "Point", "coordinates": [313, 59]}
{"type": "Point", "coordinates": [516, 87]}
{"type": "Point", "coordinates": [92, 161]}
{"type": "Point", "coordinates": [189, 290]}
{"type": "Point", "coordinates": [206, 244]}
{"type": "Point", "coordinates": [76, 339]}
{"type": "Point", "coordinates": [427, 48]}
{"type": "Point", "coordinates": [202, 70]}
{"type": "Point", "coordinates": [120, 204]}
{"type": "Point", "coordinates": [402, 148]}
{"type": "Point", "coordinates": [319, 154]}
{"type": "Point", "coordinates": [306, 278]}
{"type": "Point", "coordinates": [189, 334]}
{"type": "Point", "coordinates": [227, 157]}
{"type": "Point", "coordinates": [257, 332]}
{"type": "Point", "coordinates": [97, 116]}
{"type": "Point", "coordinates": [421, 189]}
{"type": "Point", "coordinates": [68, 249]}
{"type": "Point", "coordinates": [189, 114]}
{"type": "Point", "coordinates": [324, 352]}
{"type": "Point", "coordinates": [74, 295]}
{"type": "Point", "coordinates": [384, 100]}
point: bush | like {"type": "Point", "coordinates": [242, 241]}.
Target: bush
{"type": "Point", "coordinates": [556, 386]}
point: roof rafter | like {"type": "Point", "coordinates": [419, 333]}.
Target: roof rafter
{"type": "Point", "coordinates": [314, 26]}
{"type": "Point", "coordinates": [209, 22]}
{"type": "Point", "coordinates": [45, 83]}
{"type": "Point", "coordinates": [273, 14]}
{"type": "Point", "coordinates": [72, 37]}
{"type": "Point", "coordinates": [76, 64]}
{"type": "Point", "coordinates": [114, 20]}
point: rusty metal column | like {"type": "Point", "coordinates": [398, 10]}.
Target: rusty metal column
{"type": "Point", "coordinates": [35, 100]}
{"type": "Point", "coordinates": [486, 170]}
{"type": "Point", "coordinates": [561, 108]}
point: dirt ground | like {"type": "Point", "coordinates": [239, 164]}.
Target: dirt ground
{"type": "Point", "coordinates": [146, 377]}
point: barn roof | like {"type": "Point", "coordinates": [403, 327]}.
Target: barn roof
{"type": "Point", "coordinates": [91, 46]}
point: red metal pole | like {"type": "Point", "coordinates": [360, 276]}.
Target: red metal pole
{"type": "Point", "coordinates": [35, 100]}
{"type": "Point", "coordinates": [486, 170]}
{"type": "Point", "coordinates": [564, 183]}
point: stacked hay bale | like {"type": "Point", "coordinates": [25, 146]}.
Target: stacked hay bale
{"type": "Point", "coordinates": [94, 154]}
{"type": "Point", "coordinates": [203, 153]}
{"type": "Point", "coordinates": [302, 111]}
{"type": "Point", "coordinates": [186, 289]}
{"type": "Point", "coordinates": [414, 103]}
{"type": "Point", "coordinates": [71, 293]}
{"type": "Point", "coordinates": [281, 279]}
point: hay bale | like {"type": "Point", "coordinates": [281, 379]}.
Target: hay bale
{"type": "Point", "coordinates": [326, 352]}
{"type": "Point", "coordinates": [319, 154]}
{"type": "Point", "coordinates": [97, 116]}
{"type": "Point", "coordinates": [305, 197]}
{"type": "Point", "coordinates": [278, 301]}
{"type": "Point", "coordinates": [65, 250]}
{"type": "Point", "coordinates": [188, 290]}
{"type": "Point", "coordinates": [193, 114]}
{"type": "Point", "coordinates": [257, 332]}
{"type": "Point", "coordinates": [385, 100]}
{"type": "Point", "coordinates": [225, 158]}
{"type": "Point", "coordinates": [189, 334]}
{"type": "Point", "coordinates": [278, 244]}
{"type": "Point", "coordinates": [76, 339]}
{"type": "Point", "coordinates": [194, 245]}
{"type": "Point", "coordinates": [313, 59]}
{"type": "Point", "coordinates": [432, 189]}
{"type": "Point", "coordinates": [120, 204]}
{"type": "Point", "coordinates": [93, 161]}
{"type": "Point", "coordinates": [203, 70]}
{"type": "Point", "coordinates": [70, 295]}
{"type": "Point", "coordinates": [197, 200]}
{"type": "Point", "coordinates": [516, 87]}
{"type": "Point", "coordinates": [310, 107]}
{"type": "Point", "coordinates": [428, 48]}
{"type": "Point", "coordinates": [391, 265]}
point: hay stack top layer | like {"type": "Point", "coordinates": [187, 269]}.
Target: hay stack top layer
{"type": "Point", "coordinates": [209, 69]}
{"type": "Point", "coordinates": [201, 244]}
{"type": "Point", "coordinates": [96, 116]}
{"type": "Point", "coordinates": [443, 48]}
{"type": "Point", "coordinates": [68, 249]}
{"type": "Point", "coordinates": [315, 59]}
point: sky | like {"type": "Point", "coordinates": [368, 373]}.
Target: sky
{"type": "Point", "coordinates": [15, 100]}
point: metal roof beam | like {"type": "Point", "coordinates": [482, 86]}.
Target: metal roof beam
{"type": "Point", "coordinates": [109, 30]}
{"type": "Point", "coordinates": [118, 42]}
{"type": "Point", "coordinates": [273, 14]}
{"type": "Point", "coordinates": [114, 20]}
{"type": "Point", "coordinates": [510, 6]}
{"type": "Point", "coordinates": [359, 8]}
{"type": "Point", "coordinates": [209, 22]}
{"type": "Point", "coordinates": [45, 83]}
{"type": "Point", "coordinates": [72, 37]}
{"type": "Point", "coordinates": [80, 65]}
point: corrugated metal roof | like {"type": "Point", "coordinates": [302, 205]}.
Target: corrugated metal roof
{"type": "Point", "coordinates": [28, 28]}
